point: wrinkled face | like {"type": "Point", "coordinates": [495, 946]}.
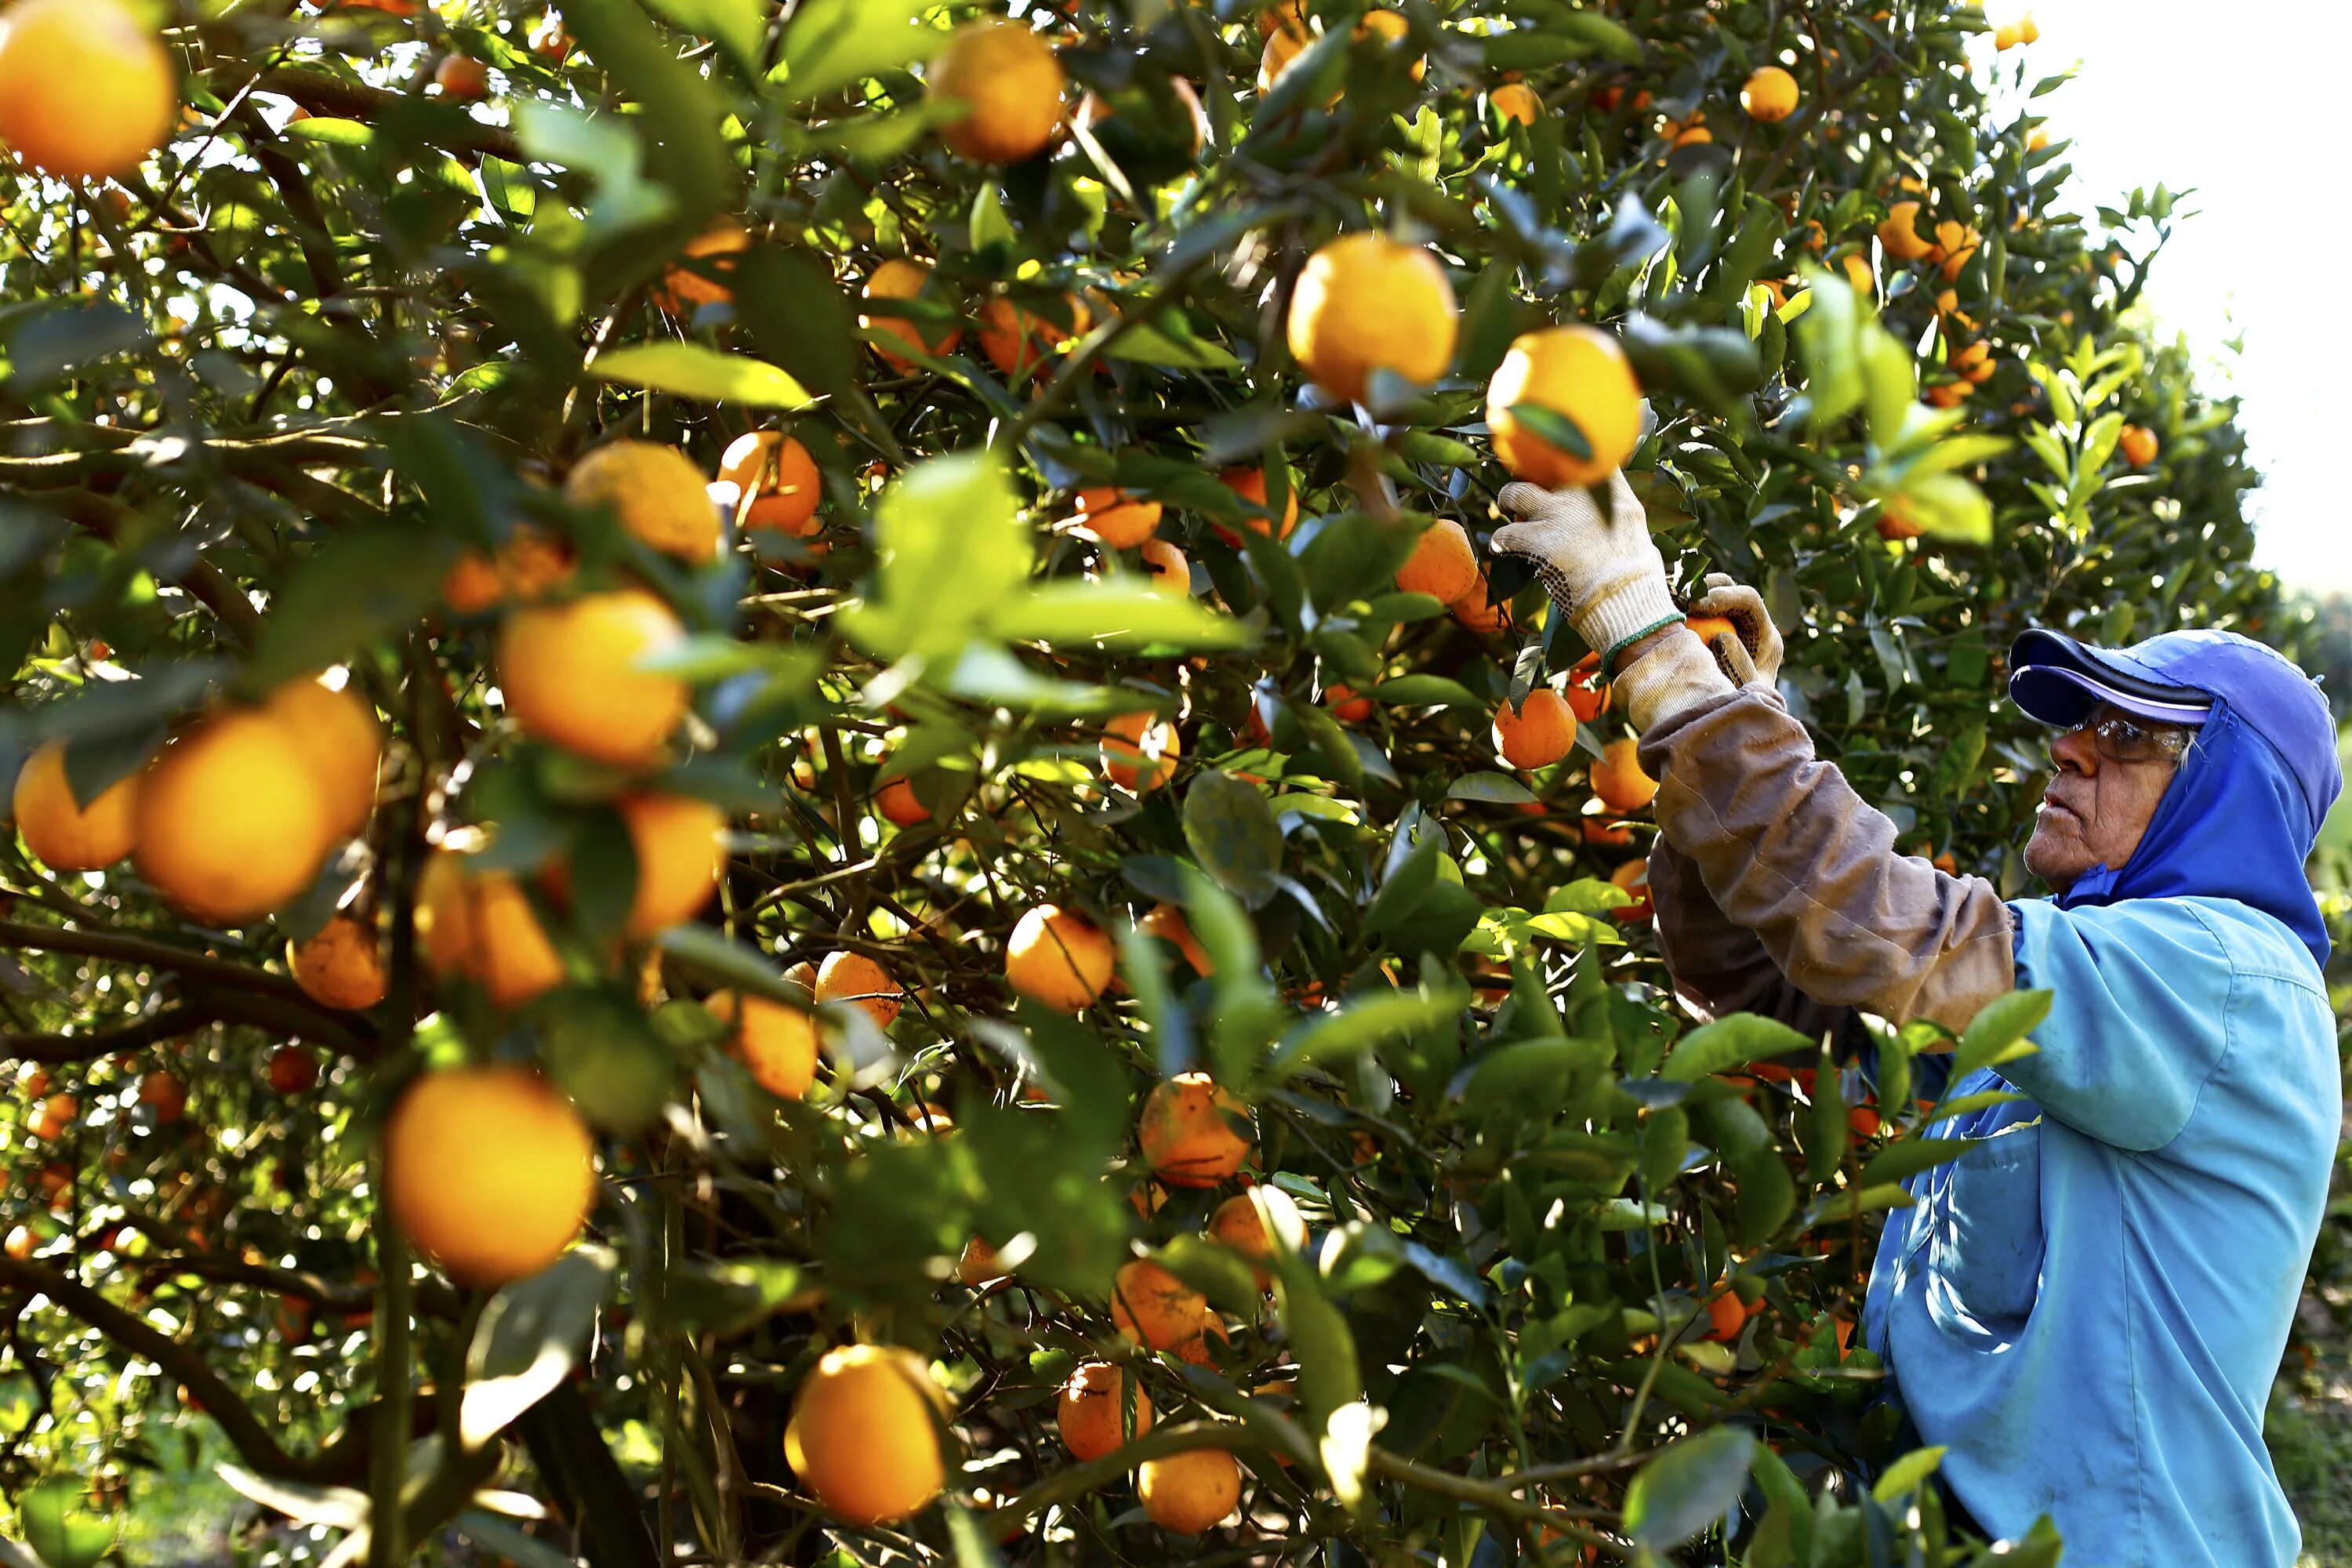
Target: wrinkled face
{"type": "Point", "coordinates": [2097, 807]}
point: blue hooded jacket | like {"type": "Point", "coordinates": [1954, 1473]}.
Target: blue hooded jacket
{"type": "Point", "coordinates": [2089, 1308]}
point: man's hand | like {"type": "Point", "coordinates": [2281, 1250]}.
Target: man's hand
{"type": "Point", "coordinates": [1601, 569]}
{"type": "Point", "coordinates": [1756, 660]}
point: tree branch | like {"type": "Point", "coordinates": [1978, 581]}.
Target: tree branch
{"type": "Point", "coordinates": [326, 95]}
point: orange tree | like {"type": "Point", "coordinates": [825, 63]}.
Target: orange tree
{"type": "Point", "coordinates": [931, 899]}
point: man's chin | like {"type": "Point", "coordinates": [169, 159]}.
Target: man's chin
{"type": "Point", "coordinates": [2057, 858]}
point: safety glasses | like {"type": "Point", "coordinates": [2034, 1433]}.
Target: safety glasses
{"type": "Point", "coordinates": [2123, 739]}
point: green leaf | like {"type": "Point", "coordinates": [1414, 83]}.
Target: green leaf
{"type": "Point", "coordinates": [1906, 1475]}
{"type": "Point", "coordinates": [738, 27]}
{"type": "Point", "coordinates": [1829, 340]}
{"type": "Point", "coordinates": [1358, 1027]}
{"type": "Point", "coordinates": [1725, 1044]}
{"type": "Point", "coordinates": [1997, 1033]}
{"type": "Point", "coordinates": [1599, 31]}
{"type": "Point", "coordinates": [1906, 1157]}
{"type": "Point", "coordinates": [1552, 424]}
{"type": "Point", "coordinates": [59, 1526]}
{"type": "Point", "coordinates": [1113, 614]}
{"type": "Point", "coordinates": [1688, 1487]}
{"type": "Point", "coordinates": [702, 373]}
{"type": "Point", "coordinates": [361, 585]}
{"type": "Point", "coordinates": [530, 1336]}
{"type": "Point", "coordinates": [950, 547]}
{"type": "Point", "coordinates": [1424, 691]}
{"type": "Point", "coordinates": [1949, 507]}
{"type": "Point", "coordinates": [832, 43]}
{"type": "Point", "coordinates": [1329, 1376]}
{"type": "Point", "coordinates": [1146, 344]}
{"type": "Point", "coordinates": [1234, 836]}
{"type": "Point", "coordinates": [1493, 789]}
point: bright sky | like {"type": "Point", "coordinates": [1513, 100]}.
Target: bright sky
{"type": "Point", "coordinates": [2239, 102]}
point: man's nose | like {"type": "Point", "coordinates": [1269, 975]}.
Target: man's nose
{"type": "Point", "coordinates": [2076, 749]}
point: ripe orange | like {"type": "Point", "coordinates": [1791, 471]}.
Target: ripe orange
{"type": "Point", "coordinates": [1443, 563]}
{"type": "Point", "coordinates": [1517, 103]}
{"type": "Point", "coordinates": [847, 976]}
{"type": "Point", "coordinates": [1155, 1308]}
{"type": "Point", "coordinates": [56, 1113]}
{"type": "Point", "coordinates": [1588, 694]}
{"type": "Point", "coordinates": [568, 674]}
{"type": "Point", "coordinates": [1283, 46]}
{"type": "Point", "coordinates": [1364, 302]}
{"type": "Point", "coordinates": [1140, 751]}
{"type": "Point", "coordinates": [65, 837]}
{"type": "Point", "coordinates": [1249, 483]}
{"type": "Point", "coordinates": [166, 1092]}
{"type": "Point", "coordinates": [680, 290]}
{"type": "Point", "coordinates": [1010, 77]}
{"type": "Point", "coordinates": [655, 491]}
{"type": "Point", "coordinates": [21, 1242]}
{"type": "Point", "coordinates": [1770, 95]}
{"type": "Point", "coordinates": [1171, 574]}
{"type": "Point", "coordinates": [293, 1070]}
{"type": "Point", "coordinates": [781, 478]}
{"type": "Point", "coordinates": [1634, 876]}
{"type": "Point", "coordinates": [87, 90]}
{"type": "Point", "coordinates": [1858, 275]}
{"type": "Point", "coordinates": [480, 927]}
{"type": "Point", "coordinates": [231, 821]}
{"type": "Point", "coordinates": [1476, 615]}
{"type": "Point", "coordinates": [463, 77]}
{"type": "Point", "coordinates": [341, 967]}
{"type": "Point", "coordinates": [1167, 923]}
{"type": "Point", "coordinates": [1595, 830]}
{"type": "Point", "coordinates": [529, 566]}
{"type": "Point", "coordinates": [488, 1171]}
{"type": "Point", "coordinates": [1618, 778]}
{"type": "Point", "coordinates": [1192, 1491]}
{"type": "Point", "coordinates": [2140, 446]}
{"type": "Point", "coordinates": [904, 280]}
{"type": "Point", "coordinates": [341, 740]}
{"type": "Point", "coordinates": [1237, 1224]}
{"type": "Point", "coordinates": [680, 857]}
{"type": "Point", "coordinates": [1710, 627]}
{"type": "Point", "coordinates": [1727, 1314]}
{"type": "Point", "coordinates": [1192, 1133]}
{"type": "Point", "coordinates": [1539, 733]}
{"type": "Point", "coordinates": [1900, 233]}
{"type": "Point", "coordinates": [1092, 1412]}
{"type": "Point", "coordinates": [864, 1434]}
{"type": "Point", "coordinates": [1058, 958]}
{"type": "Point", "coordinates": [1116, 518]}
{"type": "Point", "coordinates": [896, 802]}
{"type": "Point", "coordinates": [777, 1043]}
{"type": "Point", "coordinates": [1345, 704]}
{"type": "Point", "coordinates": [1017, 342]}
{"type": "Point", "coordinates": [1579, 372]}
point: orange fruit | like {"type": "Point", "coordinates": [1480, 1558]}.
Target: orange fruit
{"type": "Point", "coordinates": [1192, 1491]}
{"type": "Point", "coordinates": [1171, 574]}
{"type": "Point", "coordinates": [1443, 563]}
{"type": "Point", "coordinates": [1588, 694]}
{"type": "Point", "coordinates": [343, 742]}
{"type": "Point", "coordinates": [56, 1113]}
{"type": "Point", "coordinates": [1727, 1314]}
{"type": "Point", "coordinates": [1058, 958]}
{"type": "Point", "coordinates": [1364, 302]}
{"type": "Point", "coordinates": [864, 1434]}
{"type": "Point", "coordinates": [87, 90]}
{"type": "Point", "coordinates": [1167, 923]}
{"type": "Point", "coordinates": [1474, 613]}
{"type": "Point", "coordinates": [341, 967]}
{"type": "Point", "coordinates": [488, 1171]}
{"type": "Point", "coordinates": [847, 976]}
{"type": "Point", "coordinates": [1859, 275]}
{"type": "Point", "coordinates": [1116, 518]}
{"type": "Point", "coordinates": [680, 290]}
{"type": "Point", "coordinates": [21, 1242]}
{"type": "Point", "coordinates": [1237, 1224]}
{"type": "Point", "coordinates": [529, 566]}
{"type": "Point", "coordinates": [231, 820]}
{"type": "Point", "coordinates": [569, 677]}
{"type": "Point", "coordinates": [1539, 733]}
{"type": "Point", "coordinates": [1009, 76]}
{"type": "Point", "coordinates": [1345, 704]}
{"type": "Point", "coordinates": [2140, 446]}
{"type": "Point", "coordinates": [1192, 1133]}
{"type": "Point", "coordinates": [655, 491]}
{"type": "Point", "coordinates": [67, 836]}
{"type": "Point", "coordinates": [479, 926]}
{"type": "Point", "coordinates": [781, 478]}
{"type": "Point", "coordinates": [1770, 95]}
{"type": "Point", "coordinates": [897, 803]}
{"type": "Point", "coordinates": [1594, 830]}
{"type": "Point", "coordinates": [777, 1043]}
{"type": "Point", "coordinates": [1517, 103]}
{"type": "Point", "coordinates": [1618, 778]}
{"type": "Point", "coordinates": [1283, 46]}
{"type": "Point", "coordinates": [1579, 372]}
{"type": "Point", "coordinates": [293, 1070]}
{"type": "Point", "coordinates": [1900, 233]}
{"type": "Point", "coordinates": [165, 1093]}
{"type": "Point", "coordinates": [463, 77]}
{"type": "Point", "coordinates": [1710, 627]}
{"type": "Point", "coordinates": [1283, 15]}
{"type": "Point", "coordinates": [979, 1263]}
{"type": "Point", "coordinates": [1092, 1411]}
{"type": "Point", "coordinates": [1140, 751]}
{"type": "Point", "coordinates": [680, 857]}
{"type": "Point", "coordinates": [903, 280]}
{"type": "Point", "coordinates": [1155, 1308]}
{"type": "Point", "coordinates": [1248, 483]}
{"type": "Point", "coordinates": [1634, 876]}
{"type": "Point", "coordinates": [1017, 342]}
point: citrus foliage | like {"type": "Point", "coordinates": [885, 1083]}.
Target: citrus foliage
{"type": "Point", "coordinates": [1084, 695]}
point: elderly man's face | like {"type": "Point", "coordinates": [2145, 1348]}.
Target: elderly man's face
{"type": "Point", "coordinates": [2097, 808]}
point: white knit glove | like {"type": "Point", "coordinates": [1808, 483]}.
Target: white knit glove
{"type": "Point", "coordinates": [1603, 571]}
{"type": "Point", "coordinates": [1755, 660]}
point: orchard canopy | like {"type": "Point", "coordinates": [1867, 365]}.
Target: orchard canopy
{"type": "Point", "coordinates": [774, 802]}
